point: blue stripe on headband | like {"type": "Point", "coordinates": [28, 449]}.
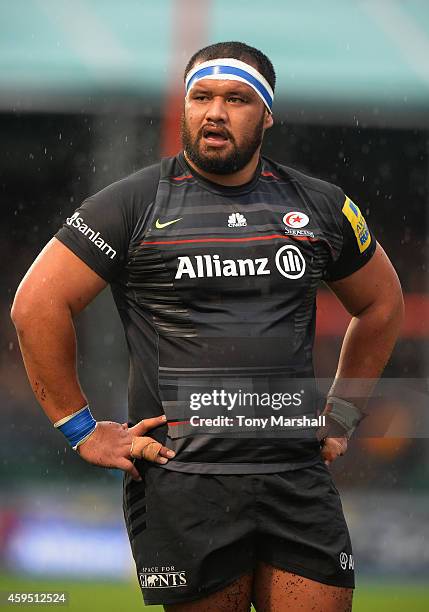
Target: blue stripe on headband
{"type": "Point", "coordinates": [233, 71]}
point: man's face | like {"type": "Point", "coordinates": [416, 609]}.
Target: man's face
{"type": "Point", "coordinates": [223, 125]}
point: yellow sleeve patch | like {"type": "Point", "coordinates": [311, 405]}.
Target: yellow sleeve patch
{"type": "Point", "coordinates": [358, 223]}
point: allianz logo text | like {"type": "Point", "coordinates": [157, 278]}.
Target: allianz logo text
{"type": "Point", "coordinates": [91, 234]}
{"type": "Point", "coordinates": [289, 262]}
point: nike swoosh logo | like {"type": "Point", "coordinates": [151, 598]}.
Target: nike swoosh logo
{"type": "Point", "coordinates": [160, 225]}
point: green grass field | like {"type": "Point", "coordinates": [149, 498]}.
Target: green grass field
{"type": "Point", "coordinates": [111, 597]}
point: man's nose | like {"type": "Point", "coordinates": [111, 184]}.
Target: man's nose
{"type": "Point", "coordinates": [217, 110]}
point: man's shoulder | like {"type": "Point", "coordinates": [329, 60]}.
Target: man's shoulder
{"type": "Point", "coordinates": [307, 181]}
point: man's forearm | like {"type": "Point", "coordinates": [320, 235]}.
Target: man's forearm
{"type": "Point", "coordinates": [48, 345]}
{"type": "Point", "coordinates": [367, 346]}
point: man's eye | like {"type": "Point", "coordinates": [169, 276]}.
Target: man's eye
{"type": "Point", "coordinates": [201, 97]}
{"type": "Point", "coordinates": [236, 99]}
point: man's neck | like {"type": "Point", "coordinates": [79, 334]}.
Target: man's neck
{"type": "Point", "coordinates": [234, 179]}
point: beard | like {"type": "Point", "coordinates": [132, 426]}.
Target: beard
{"type": "Point", "coordinates": [220, 162]}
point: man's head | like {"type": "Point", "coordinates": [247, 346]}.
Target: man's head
{"type": "Point", "coordinates": [227, 106]}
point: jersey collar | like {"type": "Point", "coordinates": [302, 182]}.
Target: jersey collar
{"type": "Point", "coordinates": [215, 187]}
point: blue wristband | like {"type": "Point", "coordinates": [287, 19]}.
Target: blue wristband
{"type": "Point", "coordinates": [77, 427]}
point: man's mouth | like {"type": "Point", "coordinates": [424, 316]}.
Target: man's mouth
{"type": "Point", "coordinates": [214, 136]}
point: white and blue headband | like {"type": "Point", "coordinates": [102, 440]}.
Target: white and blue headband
{"type": "Point", "coordinates": [232, 69]}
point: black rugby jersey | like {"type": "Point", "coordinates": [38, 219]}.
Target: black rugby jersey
{"type": "Point", "coordinates": [216, 290]}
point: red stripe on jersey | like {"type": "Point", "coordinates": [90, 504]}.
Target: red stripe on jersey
{"type": "Point", "coordinates": [174, 423]}
{"type": "Point", "coordinates": [182, 178]}
{"type": "Point", "coordinates": [270, 174]}
{"type": "Point", "coordinates": [247, 239]}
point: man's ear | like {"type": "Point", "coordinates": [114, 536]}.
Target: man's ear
{"type": "Point", "coordinates": [268, 122]}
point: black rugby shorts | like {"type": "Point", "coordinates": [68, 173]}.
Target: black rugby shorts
{"type": "Point", "coordinates": [193, 534]}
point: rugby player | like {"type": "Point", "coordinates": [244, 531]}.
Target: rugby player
{"type": "Point", "coordinates": [214, 258]}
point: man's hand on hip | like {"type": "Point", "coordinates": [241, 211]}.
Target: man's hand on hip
{"type": "Point", "coordinates": [113, 445]}
{"type": "Point", "coordinates": [333, 448]}
{"type": "Point", "coordinates": [333, 440]}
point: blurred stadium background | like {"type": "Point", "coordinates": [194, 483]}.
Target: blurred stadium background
{"type": "Point", "coordinates": [90, 90]}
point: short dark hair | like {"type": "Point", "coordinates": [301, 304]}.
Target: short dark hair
{"type": "Point", "coordinates": [239, 51]}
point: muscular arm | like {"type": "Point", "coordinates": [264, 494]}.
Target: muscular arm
{"type": "Point", "coordinates": [373, 297]}
{"type": "Point", "coordinates": [55, 289]}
